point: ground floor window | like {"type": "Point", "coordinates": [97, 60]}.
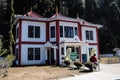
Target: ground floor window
{"type": "Point", "coordinates": [33, 53]}
{"type": "Point", "coordinates": [16, 53]}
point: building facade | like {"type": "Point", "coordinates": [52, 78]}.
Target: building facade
{"type": "Point", "coordinates": [42, 40]}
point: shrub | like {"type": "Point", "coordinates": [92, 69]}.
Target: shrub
{"type": "Point", "coordinates": [10, 58]}
{"type": "Point", "coordinates": [67, 62]}
{"type": "Point", "coordinates": [77, 64]}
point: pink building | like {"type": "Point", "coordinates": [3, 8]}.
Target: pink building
{"type": "Point", "coordinates": [42, 40]}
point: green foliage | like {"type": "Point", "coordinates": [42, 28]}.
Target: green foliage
{"type": "Point", "coordinates": [78, 64]}
{"type": "Point", "coordinates": [10, 58]}
{"type": "Point", "coordinates": [3, 52]}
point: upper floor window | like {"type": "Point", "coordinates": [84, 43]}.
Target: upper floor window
{"type": "Point", "coordinates": [34, 31]}
{"type": "Point", "coordinates": [89, 35]}
{"type": "Point", "coordinates": [68, 31]}
{"type": "Point", "coordinates": [61, 31]}
{"type": "Point", "coordinates": [76, 30]}
{"type": "Point", "coordinates": [52, 31]}
{"type": "Point", "coordinates": [33, 53]}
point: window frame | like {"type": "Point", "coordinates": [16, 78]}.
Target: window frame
{"type": "Point", "coordinates": [52, 31]}
{"type": "Point", "coordinates": [89, 35]}
{"type": "Point", "coordinates": [34, 55]}
{"type": "Point", "coordinates": [68, 31]}
{"type": "Point", "coordinates": [33, 32]}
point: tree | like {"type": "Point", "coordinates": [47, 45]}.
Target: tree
{"type": "Point", "coordinates": [92, 11]}
{"type": "Point", "coordinates": [23, 6]}
{"type": "Point", "coordinates": [45, 8]}
{"type": "Point", "coordinates": [75, 7]}
{"type": "Point", "coordinates": [10, 16]}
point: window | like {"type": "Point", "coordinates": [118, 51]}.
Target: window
{"type": "Point", "coordinates": [89, 35]}
{"type": "Point", "coordinates": [30, 53]}
{"type": "Point", "coordinates": [61, 31]}
{"type": "Point", "coordinates": [33, 53]}
{"type": "Point", "coordinates": [37, 53]}
{"type": "Point", "coordinates": [17, 33]}
{"type": "Point", "coordinates": [68, 32]}
{"type": "Point", "coordinates": [62, 50]}
{"type": "Point", "coordinates": [37, 32]}
{"type": "Point", "coordinates": [34, 31]}
{"type": "Point", "coordinates": [90, 50]}
{"type": "Point", "coordinates": [76, 30]}
{"type": "Point", "coordinates": [52, 29]}
{"type": "Point", "coordinates": [30, 31]}
{"type": "Point", "coordinates": [16, 53]}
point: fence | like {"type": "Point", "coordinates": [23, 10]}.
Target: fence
{"type": "Point", "coordinates": [110, 59]}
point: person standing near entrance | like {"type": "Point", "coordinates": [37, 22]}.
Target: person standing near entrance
{"type": "Point", "coordinates": [93, 59]}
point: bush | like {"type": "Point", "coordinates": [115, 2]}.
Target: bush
{"type": "Point", "coordinates": [77, 64]}
{"type": "Point", "coordinates": [10, 58]}
{"type": "Point", "coordinates": [67, 62]}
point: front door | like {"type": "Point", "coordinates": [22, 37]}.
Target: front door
{"type": "Point", "coordinates": [50, 54]}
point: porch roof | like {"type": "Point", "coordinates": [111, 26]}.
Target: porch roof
{"type": "Point", "coordinates": [74, 43]}
{"type": "Point", "coordinates": [49, 45]}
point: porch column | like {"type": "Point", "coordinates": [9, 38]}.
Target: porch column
{"type": "Point", "coordinates": [60, 60]}
{"type": "Point", "coordinates": [65, 50]}
{"type": "Point", "coordinates": [46, 54]}
{"type": "Point", "coordinates": [54, 53]}
{"type": "Point", "coordinates": [75, 48]}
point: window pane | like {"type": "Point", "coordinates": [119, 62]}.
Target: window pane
{"type": "Point", "coordinates": [37, 53]}
{"type": "Point", "coordinates": [87, 35]}
{"type": "Point", "coordinates": [52, 29]}
{"type": "Point", "coordinates": [61, 31]}
{"type": "Point", "coordinates": [68, 32]}
{"type": "Point", "coordinates": [16, 54]}
{"type": "Point", "coordinates": [62, 50]}
{"type": "Point", "coordinates": [30, 31]}
{"type": "Point", "coordinates": [17, 33]}
{"type": "Point", "coordinates": [76, 31]}
{"type": "Point", "coordinates": [30, 53]}
{"type": "Point", "coordinates": [37, 31]}
{"type": "Point", "coordinates": [91, 35]}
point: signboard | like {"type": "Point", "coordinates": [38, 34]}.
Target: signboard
{"type": "Point", "coordinates": [73, 55]}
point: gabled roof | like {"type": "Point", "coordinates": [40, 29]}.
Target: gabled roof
{"type": "Point", "coordinates": [56, 15]}
{"type": "Point", "coordinates": [33, 14]}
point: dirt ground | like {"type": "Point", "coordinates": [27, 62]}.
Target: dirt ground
{"type": "Point", "coordinates": [46, 72]}
{"type": "Point", "coordinates": [39, 73]}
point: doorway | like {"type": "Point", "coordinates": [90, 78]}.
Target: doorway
{"type": "Point", "coordinates": [50, 55]}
